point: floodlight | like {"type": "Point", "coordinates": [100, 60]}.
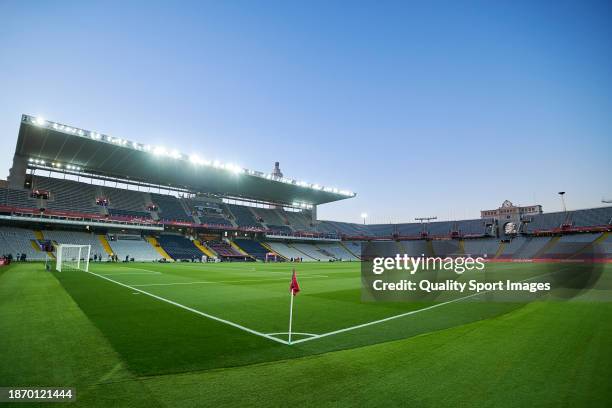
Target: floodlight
{"type": "Point", "coordinates": [195, 159]}
{"type": "Point", "coordinates": [159, 150]}
{"type": "Point", "coordinates": [40, 121]}
{"type": "Point", "coordinates": [175, 154]}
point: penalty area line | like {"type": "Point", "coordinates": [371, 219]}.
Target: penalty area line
{"type": "Point", "coordinates": [218, 319]}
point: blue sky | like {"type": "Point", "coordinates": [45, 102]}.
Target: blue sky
{"type": "Point", "coordinates": [422, 108]}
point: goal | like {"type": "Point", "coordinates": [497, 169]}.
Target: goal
{"type": "Point", "coordinates": [75, 257]}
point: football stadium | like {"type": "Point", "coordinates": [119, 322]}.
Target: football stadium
{"type": "Point", "coordinates": [139, 275]}
{"type": "Point", "coordinates": [305, 204]}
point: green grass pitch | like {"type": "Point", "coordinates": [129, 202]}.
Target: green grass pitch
{"type": "Point", "coordinates": [148, 335]}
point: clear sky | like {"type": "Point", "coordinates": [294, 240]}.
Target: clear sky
{"type": "Point", "coordinates": [422, 108]}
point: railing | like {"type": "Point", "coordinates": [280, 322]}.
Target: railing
{"type": "Point", "coordinates": [75, 216]}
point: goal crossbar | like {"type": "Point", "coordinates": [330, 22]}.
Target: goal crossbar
{"type": "Point", "coordinates": [73, 257]}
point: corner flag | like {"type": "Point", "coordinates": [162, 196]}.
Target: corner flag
{"type": "Point", "coordinates": [294, 287]}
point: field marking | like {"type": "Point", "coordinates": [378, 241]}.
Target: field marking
{"type": "Point", "coordinates": [146, 272]}
{"type": "Point", "coordinates": [386, 319]}
{"type": "Point", "coordinates": [287, 333]}
{"type": "Point", "coordinates": [225, 281]}
{"type": "Point", "coordinates": [313, 336]}
{"type": "Point", "coordinates": [218, 319]}
{"type": "Point", "coordinates": [131, 273]}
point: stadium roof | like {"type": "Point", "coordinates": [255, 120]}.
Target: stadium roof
{"type": "Point", "coordinates": [54, 144]}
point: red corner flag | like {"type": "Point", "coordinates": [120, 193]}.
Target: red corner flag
{"type": "Point", "coordinates": [294, 288]}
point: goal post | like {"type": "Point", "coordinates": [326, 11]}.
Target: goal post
{"type": "Point", "coordinates": [75, 257]}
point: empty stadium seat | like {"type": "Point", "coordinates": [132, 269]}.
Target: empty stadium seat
{"type": "Point", "coordinates": [133, 246]}
{"type": "Point", "coordinates": [243, 215]}
{"type": "Point", "coordinates": [170, 208]}
{"type": "Point", "coordinates": [179, 247]}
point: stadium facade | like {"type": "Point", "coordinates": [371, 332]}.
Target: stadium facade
{"type": "Point", "coordinates": [147, 203]}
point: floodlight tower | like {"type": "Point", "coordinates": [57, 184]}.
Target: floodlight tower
{"type": "Point", "coordinates": [364, 216]}
{"type": "Point", "coordinates": [562, 194]}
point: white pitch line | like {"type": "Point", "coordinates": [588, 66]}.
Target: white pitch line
{"type": "Point", "coordinates": [301, 334]}
{"type": "Point", "coordinates": [218, 319]}
{"type": "Point", "coordinates": [131, 273]}
{"type": "Point", "coordinates": [223, 281]}
{"type": "Point", "coordinates": [359, 326]}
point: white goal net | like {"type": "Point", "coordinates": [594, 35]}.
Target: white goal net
{"type": "Point", "coordinates": [75, 257]}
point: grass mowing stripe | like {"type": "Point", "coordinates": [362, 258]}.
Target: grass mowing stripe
{"type": "Point", "coordinates": [359, 326]}
{"type": "Point", "coordinates": [218, 319]}
{"type": "Point", "coordinates": [227, 281]}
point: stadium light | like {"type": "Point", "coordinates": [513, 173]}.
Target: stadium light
{"type": "Point", "coordinates": [162, 151]}
{"type": "Point", "coordinates": [233, 168]}
{"type": "Point", "coordinates": [195, 159]}
{"type": "Point", "coordinates": [562, 194]}
{"type": "Point", "coordinates": [364, 216]}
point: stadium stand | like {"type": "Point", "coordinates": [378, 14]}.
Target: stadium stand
{"type": "Point", "coordinates": [68, 195]}
{"type": "Point", "coordinates": [312, 251]}
{"type": "Point", "coordinates": [269, 216]}
{"type": "Point", "coordinates": [446, 248]}
{"type": "Point", "coordinates": [243, 216]}
{"type": "Point", "coordinates": [16, 198]}
{"type": "Point", "coordinates": [133, 246]}
{"type": "Point", "coordinates": [208, 213]}
{"type": "Point", "coordinates": [477, 227]}
{"type": "Point", "coordinates": [170, 208]}
{"type": "Point", "coordinates": [409, 230]}
{"type": "Point", "coordinates": [130, 202]}
{"type": "Point", "coordinates": [602, 248]}
{"type": "Point", "coordinates": [337, 251]}
{"type": "Point", "coordinates": [592, 217]}
{"type": "Point", "coordinates": [530, 247]}
{"type": "Point", "coordinates": [280, 229]}
{"type": "Point", "coordinates": [380, 230]}
{"type": "Point", "coordinates": [441, 228]}
{"type": "Point", "coordinates": [546, 221]}
{"type": "Point", "coordinates": [179, 247]}
{"type": "Point", "coordinates": [76, 238]}
{"type": "Point", "coordinates": [253, 248]}
{"type": "Point", "coordinates": [299, 221]}
{"type": "Point", "coordinates": [481, 247]}
{"type": "Point", "coordinates": [225, 250]}
{"type": "Point", "coordinates": [568, 245]}
{"type": "Point", "coordinates": [288, 252]}
{"type": "Point", "coordinates": [343, 228]}
{"type": "Point", "coordinates": [415, 248]}
{"type": "Point", "coordinates": [354, 247]}
{"type": "Point", "coordinates": [512, 247]}
{"type": "Point", "coordinates": [19, 241]}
